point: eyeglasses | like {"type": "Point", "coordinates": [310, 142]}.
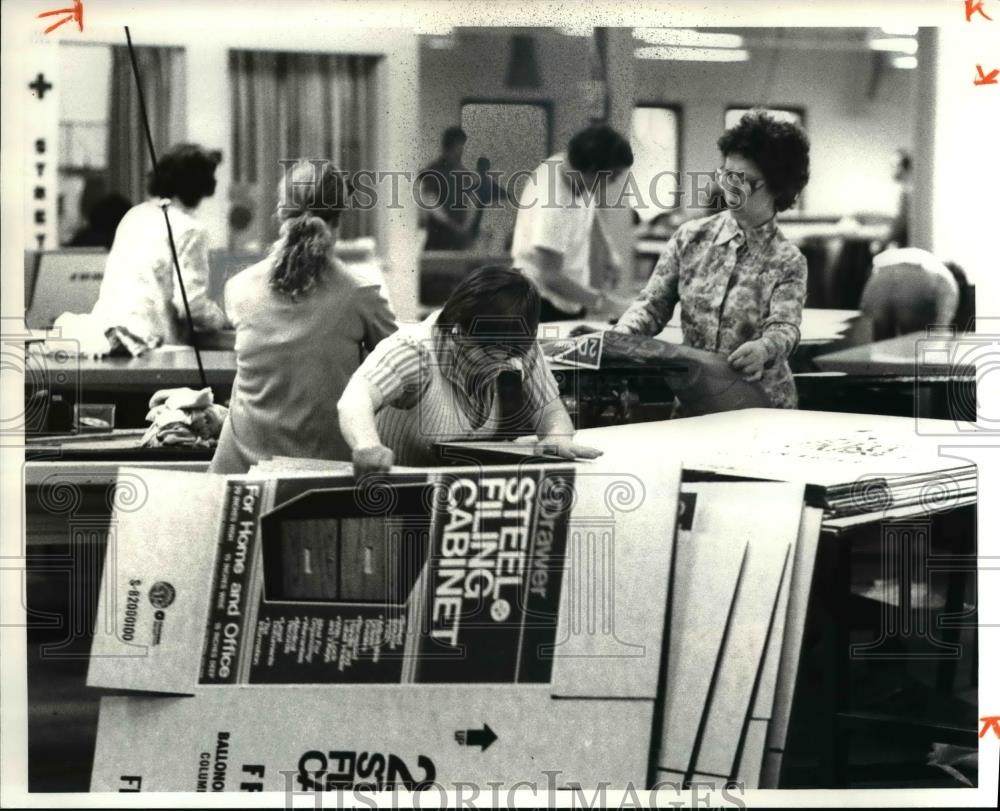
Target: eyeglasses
{"type": "Point", "coordinates": [735, 177]}
{"type": "Point", "coordinates": [504, 350]}
{"type": "Point", "coordinates": [498, 348]}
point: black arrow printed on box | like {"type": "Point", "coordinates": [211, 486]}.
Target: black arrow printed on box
{"type": "Point", "coordinates": [482, 738]}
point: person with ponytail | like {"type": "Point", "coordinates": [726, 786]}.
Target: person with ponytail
{"type": "Point", "coordinates": [439, 380]}
{"type": "Point", "coordinates": [303, 324]}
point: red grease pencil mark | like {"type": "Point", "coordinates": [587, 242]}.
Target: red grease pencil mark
{"type": "Point", "coordinates": [986, 78]}
{"type": "Point", "coordinates": [972, 6]}
{"type": "Point", "coordinates": [990, 722]}
{"type": "Point", "coordinates": [72, 14]}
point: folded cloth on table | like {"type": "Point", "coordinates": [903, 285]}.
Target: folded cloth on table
{"type": "Point", "coordinates": [181, 398]}
{"type": "Point", "coordinates": [183, 417]}
{"type": "Point", "coordinates": [125, 342]}
{"type": "Point", "coordinates": [95, 339]}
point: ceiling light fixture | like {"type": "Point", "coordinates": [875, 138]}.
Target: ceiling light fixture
{"type": "Point", "coordinates": [522, 65]}
{"type": "Point", "coordinates": [905, 45]}
{"type": "Point", "coordinates": [688, 37]}
{"type": "Point", "coordinates": [692, 54]}
{"type": "Point", "coordinates": [904, 62]}
{"type": "Point", "coordinates": [434, 29]}
{"type": "Point", "coordinates": [900, 30]}
{"type": "Point", "coordinates": [440, 43]}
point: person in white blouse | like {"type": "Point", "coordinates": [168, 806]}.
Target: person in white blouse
{"type": "Point", "coordinates": [140, 292]}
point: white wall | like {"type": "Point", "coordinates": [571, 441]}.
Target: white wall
{"type": "Point", "coordinates": [853, 139]}
{"type": "Point", "coordinates": [477, 68]}
{"type": "Point", "coordinates": [956, 200]}
{"type": "Point", "coordinates": [83, 95]}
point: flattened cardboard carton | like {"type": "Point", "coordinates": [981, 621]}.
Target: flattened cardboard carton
{"type": "Point", "coordinates": [156, 583]}
{"type": "Point", "coordinates": [382, 736]}
{"type": "Point", "coordinates": [438, 576]}
{"type": "Point", "coordinates": [524, 620]}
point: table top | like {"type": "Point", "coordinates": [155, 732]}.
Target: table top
{"type": "Point", "coordinates": [82, 473]}
{"type": "Point", "coordinates": [818, 447]}
{"type": "Point", "coordinates": [172, 366]}
{"type": "Point", "coordinates": [819, 326]}
{"type": "Point", "coordinates": [120, 445]}
{"type": "Point", "coordinates": [166, 367]}
{"type": "Point", "coordinates": [916, 355]}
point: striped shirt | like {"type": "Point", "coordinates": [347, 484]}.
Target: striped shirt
{"type": "Point", "coordinates": [432, 393]}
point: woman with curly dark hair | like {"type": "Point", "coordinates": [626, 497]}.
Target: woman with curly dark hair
{"type": "Point", "coordinates": [140, 298]}
{"type": "Point", "coordinates": [303, 322]}
{"type": "Point", "coordinates": [740, 283]}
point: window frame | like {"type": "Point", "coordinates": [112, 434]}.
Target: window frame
{"type": "Point", "coordinates": [545, 104]}
{"type": "Point", "coordinates": [678, 110]}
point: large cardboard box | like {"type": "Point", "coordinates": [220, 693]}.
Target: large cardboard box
{"type": "Point", "coordinates": [284, 738]}
{"type": "Point", "coordinates": [448, 575]}
{"type": "Point", "coordinates": [405, 618]}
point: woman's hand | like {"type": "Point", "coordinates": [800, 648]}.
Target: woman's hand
{"type": "Point", "coordinates": [565, 449]}
{"type": "Point", "coordinates": [374, 459]}
{"type": "Point", "coordinates": [749, 359]}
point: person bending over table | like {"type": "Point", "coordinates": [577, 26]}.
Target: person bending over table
{"type": "Point", "coordinates": [910, 290]}
{"type": "Point", "coordinates": [139, 291]}
{"type": "Point", "coordinates": [302, 320]}
{"type": "Point", "coordinates": [438, 380]}
{"type": "Point", "coordinates": [740, 283]}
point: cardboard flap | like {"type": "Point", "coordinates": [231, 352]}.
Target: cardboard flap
{"type": "Point", "coordinates": [614, 596]}
{"type": "Point", "coordinates": [165, 522]}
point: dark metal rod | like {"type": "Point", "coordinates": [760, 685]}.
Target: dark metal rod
{"type": "Point", "coordinates": [166, 217]}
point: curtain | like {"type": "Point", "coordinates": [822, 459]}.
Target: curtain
{"type": "Point", "coordinates": [291, 106]}
{"type": "Point", "coordinates": [161, 71]}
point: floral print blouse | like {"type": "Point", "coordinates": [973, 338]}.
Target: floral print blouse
{"type": "Point", "coordinates": [733, 286]}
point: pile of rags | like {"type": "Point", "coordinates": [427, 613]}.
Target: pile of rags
{"type": "Point", "coordinates": [183, 417]}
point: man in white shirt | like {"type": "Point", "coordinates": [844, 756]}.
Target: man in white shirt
{"type": "Point", "coordinates": [556, 212]}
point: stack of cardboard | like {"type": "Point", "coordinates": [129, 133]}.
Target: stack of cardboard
{"type": "Point", "coordinates": [745, 557]}
{"type": "Point", "coordinates": [738, 615]}
{"type": "Point", "coordinates": [851, 464]}
{"type": "Point", "coordinates": [488, 622]}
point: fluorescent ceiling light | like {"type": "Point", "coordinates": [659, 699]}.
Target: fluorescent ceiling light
{"type": "Point", "coordinates": [906, 45]}
{"type": "Point", "coordinates": [434, 29]}
{"type": "Point", "coordinates": [440, 43]}
{"type": "Point", "coordinates": [904, 62]}
{"type": "Point", "coordinates": [692, 54]}
{"type": "Point", "coordinates": [688, 37]}
{"type": "Point", "coordinates": [900, 30]}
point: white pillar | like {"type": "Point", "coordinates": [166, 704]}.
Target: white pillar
{"type": "Point", "coordinates": [960, 199]}
{"type": "Point", "coordinates": [621, 97]}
